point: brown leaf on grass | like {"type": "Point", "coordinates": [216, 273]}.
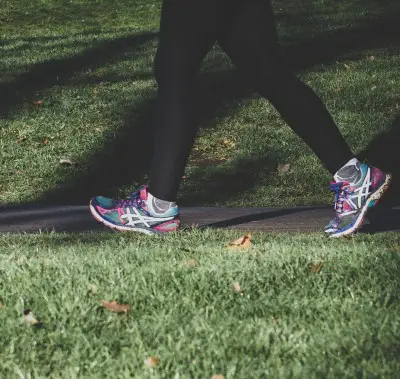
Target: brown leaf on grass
{"type": "Point", "coordinates": [31, 319]}
{"type": "Point", "coordinates": [316, 267]}
{"type": "Point", "coordinates": [228, 142]}
{"type": "Point", "coordinates": [243, 242]}
{"type": "Point", "coordinates": [113, 306]}
{"type": "Point", "coordinates": [21, 139]}
{"type": "Point", "coordinates": [185, 177]}
{"type": "Point", "coordinates": [152, 361]}
{"type": "Point", "coordinates": [219, 376]}
{"type": "Point", "coordinates": [371, 58]}
{"type": "Point", "coordinates": [67, 162]}
{"type": "Point", "coordinates": [37, 102]}
{"type": "Point", "coordinates": [236, 287]}
{"type": "Point", "coordinates": [276, 320]}
{"type": "Point", "coordinates": [1, 305]}
{"type": "Point", "coordinates": [346, 66]}
{"type": "Point", "coordinates": [45, 141]}
{"type": "Point", "coordinates": [283, 167]}
{"type": "Point", "coordinates": [191, 263]}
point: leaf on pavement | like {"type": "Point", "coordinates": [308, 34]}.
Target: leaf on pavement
{"type": "Point", "coordinates": [113, 306]}
{"type": "Point", "coordinates": [243, 242]}
{"type": "Point", "coordinates": [152, 361]}
{"type": "Point", "coordinates": [316, 267]}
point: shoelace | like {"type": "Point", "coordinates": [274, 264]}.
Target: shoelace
{"type": "Point", "coordinates": [342, 193]}
{"type": "Point", "coordinates": [132, 200]}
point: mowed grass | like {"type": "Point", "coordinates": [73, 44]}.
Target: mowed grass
{"type": "Point", "coordinates": [286, 321]}
{"type": "Point", "coordinates": [77, 83]}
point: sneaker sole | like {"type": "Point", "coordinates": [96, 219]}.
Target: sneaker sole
{"type": "Point", "coordinates": [375, 197]}
{"type": "Point", "coordinates": [119, 228]}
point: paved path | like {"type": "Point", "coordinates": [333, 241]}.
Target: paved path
{"type": "Point", "coordinates": [14, 219]}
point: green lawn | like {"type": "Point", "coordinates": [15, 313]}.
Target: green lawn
{"type": "Point", "coordinates": [286, 321]}
{"type": "Point", "coordinates": [76, 83]}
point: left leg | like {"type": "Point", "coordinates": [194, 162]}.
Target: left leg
{"type": "Point", "coordinates": [249, 38]}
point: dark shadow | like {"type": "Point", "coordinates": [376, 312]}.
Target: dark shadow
{"type": "Point", "coordinates": [326, 47]}
{"type": "Point", "coordinates": [59, 71]}
{"type": "Point", "coordinates": [382, 219]}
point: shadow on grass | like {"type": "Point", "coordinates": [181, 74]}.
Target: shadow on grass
{"type": "Point", "coordinates": [122, 163]}
{"type": "Point", "coordinates": [60, 71]}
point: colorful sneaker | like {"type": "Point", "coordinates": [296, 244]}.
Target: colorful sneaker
{"type": "Point", "coordinates": [133, 214]}
{"type": "Point", "coordinates": [354, 196]}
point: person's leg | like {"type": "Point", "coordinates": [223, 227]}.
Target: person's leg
{"type": "Point", "coordinates": [188, 31]}
{"type": "Point", "coordinates": [250, 40]}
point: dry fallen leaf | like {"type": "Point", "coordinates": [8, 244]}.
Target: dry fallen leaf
{"type": "Point", "coordinates": [228, 142]}
{"type": "Point", "coordinates": [92, 288]}
{"type": "Point", "coordinates": [371, 58]}
{"type": "Point", "coordinates": [185, 177]}
{"type": "Point", "coordinates": [45, 141]}
{"type": "Point", "coordinates": [346, 66]}
{"type": "Point", "coordinates": [283, 167]}
{"type": "Point", "coordinates": [30, 318]}
{"type": "Point", "coordinates": [67, 161]}
{"type": "Point", "coordinates": [316, 267]}
{"type": "Point", "coordinates": [219, 376]}
{"type": "Point", "coordinates": [236, 287]}
{"type": "Point", "coordinates": [113, 306]}
{"type": "Point", "coordinates": [38, 102]}
{"type": "Point", "coordinates": [191, 263]}
{"type": "Point", "coordinates": [152, 361]}
{"type": "Point", "coordinates": [243, 242]}
{"type": "Point", "coordinates": [276, 320]}
{"type": "Point", "coordinates": [1, 305]}
{"type": "Point", "coordinates": [21, 139]}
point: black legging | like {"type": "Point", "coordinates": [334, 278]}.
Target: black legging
{"type": "Point", "coordinates": [246, 32]}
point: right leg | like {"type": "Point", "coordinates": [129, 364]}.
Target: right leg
{"type": "Point", "coordinates": [187, 32]}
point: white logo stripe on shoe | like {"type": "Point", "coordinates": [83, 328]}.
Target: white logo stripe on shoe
{"type": "Point", "coordinates": [137, 218]}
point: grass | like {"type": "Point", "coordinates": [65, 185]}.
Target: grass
{"type": "Point", "coordinates": [289, 322]}
{"type": "Point", "coordinates": [77, 83]}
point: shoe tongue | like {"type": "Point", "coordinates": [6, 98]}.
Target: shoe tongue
{"type": "Point", "coordinates": [143, 193]}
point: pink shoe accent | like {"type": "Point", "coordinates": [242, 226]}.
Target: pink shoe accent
{"type": "Point", "coordinates": [169, 226]}
{"type": "Point", "coordinates": [101, 210]}
{"type": "Point", "coordinates": [376, 175]}
{"type": "Point", "coordinates": [143, 193]}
